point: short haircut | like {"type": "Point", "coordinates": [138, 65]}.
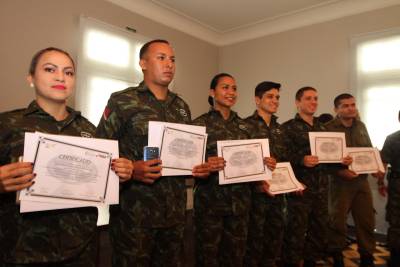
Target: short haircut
{"type": "Point", "coordinates": [146, 46]}
{"type": "Point", "coordinates": [300, 92]}
{"type": "Point", "coordinates": [340, 97]}
{"type": "Point", "coordinates": [265, 86]}
{"type": "Point", "coordinates": [214, 83]}
{"type": "Point", "coordinates": [36, 57]}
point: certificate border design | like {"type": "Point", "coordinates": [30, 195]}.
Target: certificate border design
{"type": "Point", "coordinates": [236, 177]}
{"type": "Point", "coordinates": [291, 179]}
{"type": "Point", "coordinates": [65, 143]}
{"type": "Point", "coordinates": [366, 170]}
{"type": "Point", "coordinates": [328, 160]}
{"type": "Point", "coordinates": [178, 130]}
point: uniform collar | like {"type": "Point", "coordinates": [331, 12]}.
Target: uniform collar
{"type": "Point", "coordinates": [34, 108]}
{"type": "Point", "coordinates": [299, 118]}
{"type": "Point", "coordinates": [143, 88]}
{"type": "Point", "coordinates": [232, 115]}
{"type": "Point", "coordinates": [256, 116]}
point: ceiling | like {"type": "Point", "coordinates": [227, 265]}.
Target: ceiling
{"type": "Point", "coordinates": [224, 22]}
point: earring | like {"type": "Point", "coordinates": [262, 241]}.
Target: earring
{"type": "Point", "coordinates": [31, 85]}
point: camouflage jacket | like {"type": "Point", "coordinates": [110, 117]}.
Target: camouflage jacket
{"type": "Point", "coordinates": [391, 151]}
{"type": "Point", "coordinates": [45, 236]}
{"type": "Point", "coordinates": [273, 132]}
{"type": "Point", "coordinates": [356, 135]}
{"type": "Point", "coordinates": [125, 119]}
{"type": "Point", "coordinates": [210, 197]}
{"type": "Point", "coordinates": [297, 142]}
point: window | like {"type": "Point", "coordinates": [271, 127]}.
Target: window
{"type": "Point", "coordinates": [377, 82]}
{"type": "Point", "coordinates": [108, 62]}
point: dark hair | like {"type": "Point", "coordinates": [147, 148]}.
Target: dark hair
{"type": "Point", "coordinates": [340, 97]}
{"type": "Point", "coordinates": [146, 46]}
{"type": "Point", "coordinates": [263, 87]}
{"type": "Point", "coordinates": [214, 83]}
{"type": "Point", "coordinates": [40, 53]}
{"type": "Point", "coordinates": [325, 117]}
{"type": "Point", "coordinates": [301, 91]}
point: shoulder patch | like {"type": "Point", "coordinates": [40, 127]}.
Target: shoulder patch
{"type": "Point", "coordinates": [106, 113]}
{"type": "Point", "coordinates": [243, 127]}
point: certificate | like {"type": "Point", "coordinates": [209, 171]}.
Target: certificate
{"type": "Point", "coordinates": [173, 144]}
{"type": "Point", "coordinates": [365, 160]}
{"type": "Point", "coordinates": [283, 180]}
{"type": "Point", "coordinates": [328, 146]}
{"type": "Point", "coordinates": [244, 160]}
{"type": "Point", "coordinates": [182, 150]}
{"type": "Point", "coordinates": [70, 171]}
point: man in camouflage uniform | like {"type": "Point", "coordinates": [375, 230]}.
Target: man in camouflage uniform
{"type": "Point", "coordinates": [351, 192]}
{"type": "Point", "coordinates": [305, 233]}
{"type": "Point", "coordinates": [63, 236]}
{"type": "Point", "coordinates": [391, 155]}
{"type": "Point", "coordinates": [265, 235]}
{"type": "Point", "coordinates": [147, 228]}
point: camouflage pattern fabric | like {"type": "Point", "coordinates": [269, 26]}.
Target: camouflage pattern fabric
{"type": "Point", "coordinates": [266, 225]}
{"type": "Point", "coordinates": [353, 196]}
{"type": "Point", "coordinates": [221, 211]}
{"type": "Point", "coordinates": [391, 154]}
{"type": "Point", "coordinates": [47, 236]}
{"type": "Point", "coordinates": [305, 232]}
{"type": "Point", "coordinates": [143, 206]}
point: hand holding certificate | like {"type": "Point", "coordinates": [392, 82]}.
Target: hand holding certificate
{"type": "Point", "coordinates": [365, 160]}
{"type": "Point", "coordinates": [283, 180]}
{"type": "Point", "coordinates": [244, 160]}
{"type": "Point", "coordinates": [327, 146]}
{"type": "Point", "coordinates": [71, 172]}
{"type": "Point", "coordinates": [181, 146]}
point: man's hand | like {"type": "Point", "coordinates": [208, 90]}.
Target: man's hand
{"type": "Point", "coordinates": [123, 168]}
{"type": "Point", "coordinates": [216, 163]}
{"type": "Point", "coordinates": [16, 176]}
{"type": "Point", "coordinates": [347, 174]}
{"type": "Point", "coordinates": [201, 171]}
{"type": "Point", "coordinates": [270, 163]}
{"type": "Point", "coordinates": [147, 171]}
{"type": "Point", "coordinates": [263, 186]}
{"type": "Point", "coordinates": [310, 161]}
{"type": "Point", "coordinates": [347, 160]}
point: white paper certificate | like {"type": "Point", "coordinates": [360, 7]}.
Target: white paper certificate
{"type": "Point", "coordinates": [181, 149]}
{"type": "Point", "coordinates": [70, 171]}
{"type": "Point", "coordinates": [283, 180]}
{"type": "Point", "coordinates": [365, 160]}
{"type": "Point", "coordinates": [328, 146]}
{"type": "Point", "coordinates": [244, 160]}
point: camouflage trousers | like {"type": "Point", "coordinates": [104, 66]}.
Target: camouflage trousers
{"type": "Point", "coordinates": [353, 196]}
{"type": "Point", "coordinates": [220, 239]}
{"type": "Point", "coordinates": [88, 258]}
{"type": "Point", "coordinates": [393, 214]}
{"type": "Point", "coordinates": [305, 235]}
{"type": "Point", "coordinates": [265, 235]}
{"type": "Point", "coordinates": [147, 246]}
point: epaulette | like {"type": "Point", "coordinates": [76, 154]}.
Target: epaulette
{"type": "Point", "coordinates": [16, 111]}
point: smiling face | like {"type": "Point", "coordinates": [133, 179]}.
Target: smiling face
{"type": "Point", "coordinates": [269, 102]}
{"type": "Point", "coordinates": [308, 103]}
{"type": "Point", "coordinates": [158, 64]}
{"type": "Point", "coordinates": [53, 78]}
{"type": "Point", "coordinates": [225, 93]}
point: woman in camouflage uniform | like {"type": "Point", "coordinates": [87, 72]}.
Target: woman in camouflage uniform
{"type": "Point", "coordinates": [48, 238]}
{"type": "Point", "coordinates": [221, 212]}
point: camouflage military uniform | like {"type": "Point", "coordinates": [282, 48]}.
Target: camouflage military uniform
{"type": "Point", "coordinates": [352, 196]}
{"type": "Point", "coordinates": [391, 155]}
{"type": "Point", "coordinates": [221, 211]}
{"type": "Point", "coordinates": [147, 227]}
{"type": "Point", "coordinates": [266, 225]}
{"type": "Point", "coordinates": [305, 233]}
{"type": "Point", "coordinates": [67, 237]}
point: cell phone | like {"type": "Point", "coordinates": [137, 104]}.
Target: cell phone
{"type": "Point", "coordinates": [150, 152]}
